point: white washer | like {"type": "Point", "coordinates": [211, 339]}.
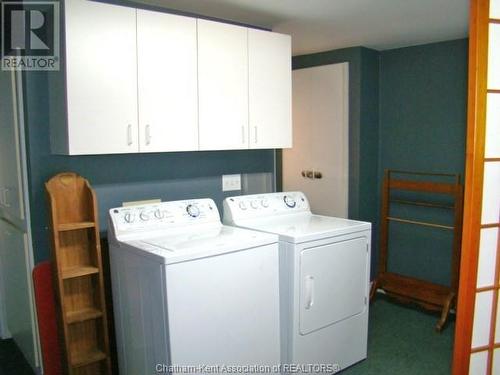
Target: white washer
{"type": "Point", "coordinates": [324, 277]}
{"type": "Point", "coordinates": [188, 291]}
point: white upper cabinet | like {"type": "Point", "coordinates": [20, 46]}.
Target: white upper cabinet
{"type": "Point", "coordinates": [270, 89]}
{"type": "Point", "coordinates": [223, 86]}
{"type": "Point", "coordinates": [167, 82]}
{"type": "Point", "coordinates": [101, 79]}
{"type": "Point", "coordinates": [144, 81]}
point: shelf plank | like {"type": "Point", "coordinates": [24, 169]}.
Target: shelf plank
{"type": "Point", "coordinates": [82, 315]}
{"type": "Point", "coordinates": [86, 358]}
{"type": "Point", "coordinates": [415, 289]}
{"type": "Point", "coordinates": [75, 226]}
{"type": "Point", "coordinates": [72, 272]}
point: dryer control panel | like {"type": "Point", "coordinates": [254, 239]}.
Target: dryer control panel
{"type": "Point", "coordinates": [263, 205]}
{"type": "Point", "coordinates": [163, 216]}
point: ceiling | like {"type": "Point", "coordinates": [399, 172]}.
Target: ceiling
{"type": "Point", "coordinates": [320, 25]}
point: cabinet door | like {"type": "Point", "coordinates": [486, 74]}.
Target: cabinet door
{"type": "Point", "coordinates": [16, 279]}
{"type": "Point", "coordinates": [10, 162]}
{"type": "Point", "coordinates": [270, 89]}
{"type": "Point", "coordinates": [101, 78]}
{"type": "Point", "coordinates": [223, 86]}
{"type": "Point", "coordinates": [167, 78]}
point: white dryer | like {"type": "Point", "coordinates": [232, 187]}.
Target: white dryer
{"type": "Point", "coordinates": [188, 291]}
{"type": "Point", "coordinates": [324, 277]}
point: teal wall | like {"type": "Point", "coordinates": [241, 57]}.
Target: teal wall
{"type": "Point", "coordinates": [423, 101]}
{"type": "Point", "coordinates": [363, 128]}
{"type": "Point", "coordinates": [407, 110]}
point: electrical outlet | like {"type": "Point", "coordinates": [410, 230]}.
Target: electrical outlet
{"type": "Point", "coordinates": [231, 182]}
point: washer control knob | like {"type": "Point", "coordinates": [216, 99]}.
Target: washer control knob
{"type": "Point", "coordinates": [128, 217]}
{"type": "Point", "coordinates": [193, 210]}
{"type": "Point", "coordinates": [254, 204]}
{"type": "Point", "coordinates": [264, 203]}
{"type": "Point", "coordinates": [289, 201]}
{"type": "Point", "coordinates": [159, 214]}
{"type": "Point", "coordinates": [144, 216]}
{"type": "Point", "coordinates": [242, 205]}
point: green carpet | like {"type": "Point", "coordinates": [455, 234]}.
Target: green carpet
{"type": "Point", "coordinates": [402, 341]}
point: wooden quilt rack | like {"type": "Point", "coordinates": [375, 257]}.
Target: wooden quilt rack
{"type": "Point", "coordinates": [407, 289]}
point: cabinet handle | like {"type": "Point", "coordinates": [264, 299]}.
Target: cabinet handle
{"type": "Point", "coordinates": [148, 134]}
{"type": "Point", "coordinates": [242, 134]}
{"type": "Point", "coordinates": [2, 196]}
{"type": "Point", "coordinates": [6, 198]}
{"type": "Point", "coordinates": [255, 134]}
{"type": "Point", "coordinates": [129, 134]}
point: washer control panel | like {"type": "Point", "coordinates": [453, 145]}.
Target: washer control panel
{"type": "Point", "coordinates": [261, 205]}
{"type": "Point", "coordinates": [163, 215]}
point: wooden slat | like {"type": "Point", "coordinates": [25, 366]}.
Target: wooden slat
{"type": "Point", "coordinates": [82, 315]}
{"type": "Point", "coordinates": [69, 273]}
{"type": "Point", "coordinates": [422, 223]}
{"type": "Point", "coordinates": [492, 225]}
{"type": "Point", "coordinates": [421, 203]}
{"type": "Point", "coordinates": [414, 173]}
{"type": "Point", "coordinates": [431, 187]}
{"type": "Point", "coordinates": [76, 226]}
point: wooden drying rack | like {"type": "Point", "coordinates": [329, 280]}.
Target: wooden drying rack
{"type": "Point", "coordinates": [408, 289]}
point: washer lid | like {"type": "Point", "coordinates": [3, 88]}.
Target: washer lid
{"type": "Point", "coordinates": [304, 227]}
{"type": "Point", "coordinates": [189, 245]}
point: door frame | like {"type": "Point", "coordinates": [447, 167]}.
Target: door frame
{"type": "Point", "coordinates": [23, 223]}
{"type": "Point", "coordinates": [476, 134]}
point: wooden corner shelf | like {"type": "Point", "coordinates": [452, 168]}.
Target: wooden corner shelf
{"type": "Point", "coordinates": [76, 253]}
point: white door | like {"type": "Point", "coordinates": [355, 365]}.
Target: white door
{"type": "Point", "coordinates": [101, 71]}
{"type": "Point", "coordinates": [167, 78]}
{"type": "Point", "coordinates": [270, 89]}
{"type": "Point", "coordinates": [318, 163]}
{"type": "Point", "coordinates": [10, 163]}
{"type": "Point", "coordinates": [333, 283]}
{"type": "Point", "coordinates": [222, 85]}
{"type": "Point", "coordinates": [16, 279]}
{"type": "Point", "coordinates": [225, 309]}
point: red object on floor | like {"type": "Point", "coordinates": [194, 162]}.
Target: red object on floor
{"type": "Point", "coordinates": [47, 323]}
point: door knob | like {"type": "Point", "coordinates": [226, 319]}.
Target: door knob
{"type": "Point", "coordinates": [313, 175]}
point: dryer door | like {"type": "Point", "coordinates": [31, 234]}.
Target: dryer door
{"type": "Point", "coordinates": [334, 283]}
